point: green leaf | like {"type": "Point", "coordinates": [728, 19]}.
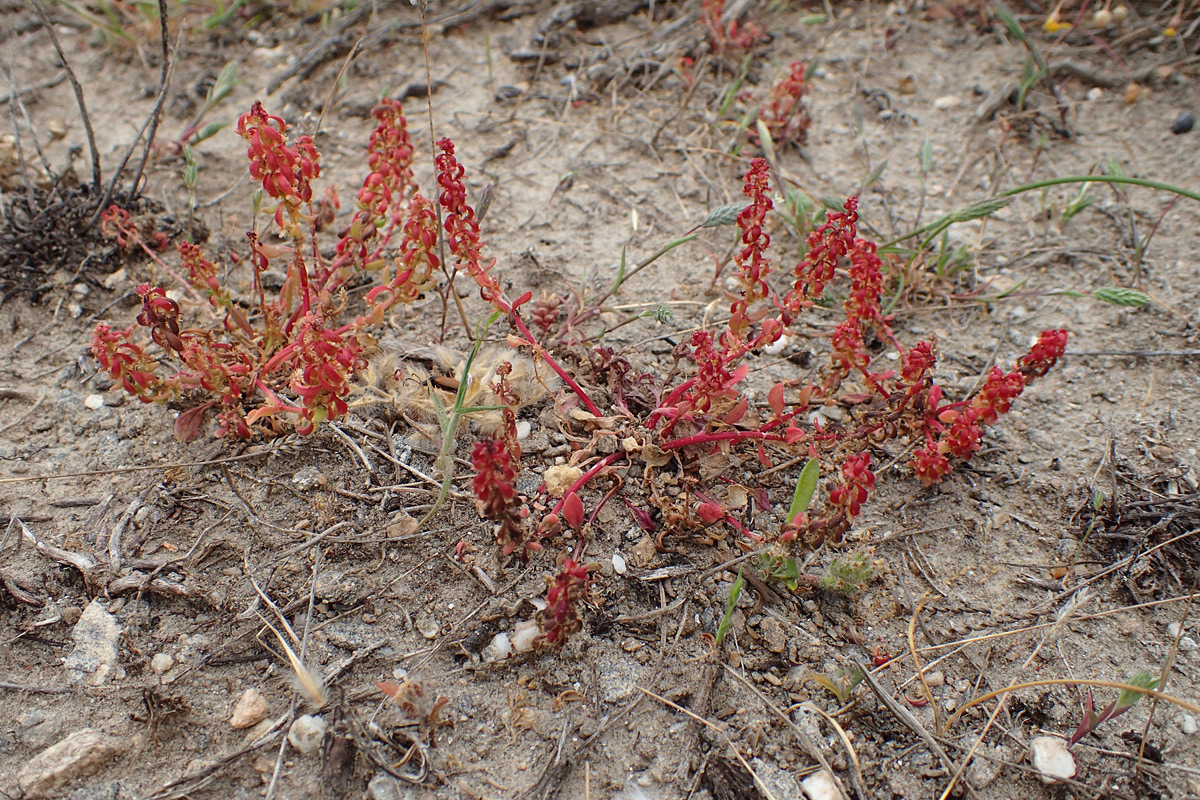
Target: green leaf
{"type": "Point", "coordinates": [735, 592]}
{"type": "Point", "coordinates": [765, 141]}
{"type": "Point", "coordinates": [813, 19]}
{"type": "Point", "coordinates": [872, 176]}
{"type": "Point", "coordinates": [1010, 22]}
{"type": "Point", "coordinates": [1128, 698]}
{"type": "Point", "coordinates": [806, 486]}
{"type": "Point", "coordinates": [1121, 297]}
{"type": "Point", "coordinates": [208, 131]}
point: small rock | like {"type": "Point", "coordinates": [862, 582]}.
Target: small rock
{"type": "Point", "coordinates": [1183, 123]}
{"type": "Point", "coordinates": [1095, 93]}
{"type": "Point", "coordinates": [774, 636]}
{"type": "Point", "coordinates": [821, 785]}
{"type": "Point", "coordinates": [618, 563]}
{"type": "Point", "coordinates": [307, 734]}
{"type": "Point", "coordinates": [309, 478]}
{"type": "Point", "coordinates": [946, 102]}
{"type": "Point", "coordinates": [116, 279]}
{"type": "Point", "coordinates": [524, 428]}
{"type": "Point", "coordinates": [385, 787]}
{"type": "Point", "coordinates": [1051, 758]}
{"type": "Point", "coordinates": [935, 679]}
{"type": "Point", "coordinates": [524, 636]}
{"type": "Point", "coordinates": [1188, 644]}
{"type": "Point", "coordinates": [1187, 724]}
{"type": "Point", "coordinates": [985, 770]}
{"type": "Point", "coordinates": [80, 754]}
{"type": "Point", "coordinates": [644, 552]}
{"type": "Point", "coordinates": [93, 401]}
{"type": "Point", "coordinates": [161, 663]}
{"type": "Point", "coordinates": [498, 649]}
{"type": "Point", "coordinates": [428, 627]}
{"type": "Point", "coordinates": [250, 709]}
{"type": "Point", "coordinates": [1174, 629]}
{"type": "Point", "coordinates": [97, 637]}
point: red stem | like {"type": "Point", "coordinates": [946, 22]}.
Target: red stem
{"type": "Point", "coordinates": [587, 476]}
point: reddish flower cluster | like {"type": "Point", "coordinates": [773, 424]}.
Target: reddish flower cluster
{"type": "Point", "coordinates": [857, 481]}
{"type": "Point", "coordinates": [128, 363]}
{"type": "Point", "coordinates": [161, 315]}
{"type": "Point", "coordinates": [752, 263]}
{"type": "Point", "coordinates": [496, 494]}
{"type": "Point", "coordinates": [831, 241]}
{"type": "Point", "coordinates": [967, 420]}
{"type": "Point", "coordinates": [116, 223]}
{"type": "Point", "coordinates": [462, 228]}
{"type": "Point", "coordinates": [385, 189]}
{"type": "Point", "coordinates": [784, 114]}
{"type": "Point", "coordinates": [560, 618]}
{"type": "Point", "coordinates": [324, 363]}
{"type": "Point", "coordinates": [416, 263]}
{"type": "Point", "coordinates": [724, 37]}
{"type": "Point", "coordinates": [286, 172]}
{"type": "Point", "coordinates": [713, 380]}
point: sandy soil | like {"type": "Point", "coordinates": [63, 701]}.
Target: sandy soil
{"type": "Point", "coordinates": [597, 138]}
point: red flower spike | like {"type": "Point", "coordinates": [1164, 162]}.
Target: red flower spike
{"type": "Point", "coordinates": [161, 315]}
{"type": "Point", "coordinates": [462, 228]}
{"type": "Point", "coordinates": [496, 494]}
{"type": "Point", "coordinates": [560, 618]}
{"type": "Point", "coordinates": [828, 243]}
{"type": "Point", "coordinates": [752, 264]}
{"type": "Point", "coordinates": [1045, 353]}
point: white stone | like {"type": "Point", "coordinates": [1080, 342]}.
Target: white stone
{"type": "Point", "coordinates": [250, 709]}
{"type": "Point", "coordinates": [523, 429]}
{"type": "Point", "coordinates": [93, 401]}
{"type": "Point", "coordinates": [524, 636]}
{"type": "Point", "coordinates": [498, 649]}
{"type": "Point", "coordinates": [935, 679]}
{"type": "Point", "coordinates": [1187, 643]}
{"type": "Point", "coordinates": [947, 101]}
{"type": "Point", "coordinates": [1095, 93]}
{"type": "Point", "coordinates": [1051, 758]}
{"type": "Point", "coordinates": [821, 785]}
{"type": "Point", "coordinates": [618, 562]}
{"type": "Point", "coordinates": [78, 755]}
{"type": "Point", "coordinates": [307, 734]}
{"type": "Point", "coordinates": [97, 637]}
{"type": "Point", "coordinates": [1174, 629]}
{"type": "Point", "coordinates": [1187, 724]}
{"type": "Point", "coordinates": [161, 663]}
{"type": "Point", "coordinates": [776, 347]}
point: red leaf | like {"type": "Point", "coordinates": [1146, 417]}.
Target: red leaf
{"type": "Point", "coordinates": [572, 510]}
{"type": "Point", "coordinates": [775, 399]}
{"type": "Point", "coordinates": [189, 423]}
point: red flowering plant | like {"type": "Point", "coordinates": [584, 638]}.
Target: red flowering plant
{"type": "Point", "coordinates": [284, 361]}
{"type": "Point", "coordinates": [710, 410]}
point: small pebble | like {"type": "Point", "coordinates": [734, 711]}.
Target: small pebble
{"type": "Point", "coordinates": [251, 709]}
{"type": "Point", "coordinates": [1051, 758]}
{"type": "Point", "coordinates": [1184, 123]}
{"type": "Point", "coordinates": [946, 102]}
{"type": "Point", "coordinates": [1095, 93]}
{"type": "Point", "coordinates": [1187, 643]}
{"type": "Point", "coordinates": [161, 663]}
{"type": "Point", "coordinates": [307, 734]}
{"type": "Point", "coordinates": [820, 786]}
{"type": "Point", "coordinates": [935, 678]}
{"type": "Point", "coordinates": [498, 649]}
{"type": "Point", "coordinates": [618, 562]}
{"type": "Point", "coordinates": [93, 401]}
{"type": "Point", "coordinates": [1188, 724]}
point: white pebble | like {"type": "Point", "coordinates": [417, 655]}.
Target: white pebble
{"type": "Point", "coordinates": [94, 401]}
{"type": "Point", "coordinates": [307, 734]}
{"type": "Point", "coordinates": [776, 347]}
{"type": "Point", "coordinates": [947, 101]}
{"type": "Point", "coordinates": [498, 649]}
{"type": "Point", "coordinates": [523, 430]}
{"type": "Point", "coordinates": [524, 636]}
{"type": "Point", "coordinates": [820, 786]}
{"type": "Point", "coordinates": [1188, 724]}
{"type": "Point", "coordinates": [1174, 629]}
{"type": "Point", "coordinates": [1051, 758]}
{"type": "Point", "coordinates": [618, 563]}
{"type": "Point", "coordinates": [161, 663]}
{"type": "Point", "coordinates": [1095, 93]}
{"type": "Point", "coordinates": [1187, 643]}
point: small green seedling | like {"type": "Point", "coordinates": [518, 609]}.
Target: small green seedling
{"type": "Point", "coordinates": [735, 592]}
{"type": "Point", "coordinates": [1126, 700]}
